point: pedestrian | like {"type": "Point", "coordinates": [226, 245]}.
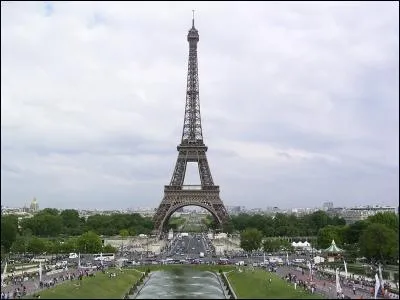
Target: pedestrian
{"type": "Point", "coordinates": [354, 289]}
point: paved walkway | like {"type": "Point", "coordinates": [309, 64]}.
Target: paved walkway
{"type": "Point", "coordinates": [357, 276]}
{"type": "Point", "coordinates": [329, 289]}
{"type": "Point", "coordinates": [32, 285]}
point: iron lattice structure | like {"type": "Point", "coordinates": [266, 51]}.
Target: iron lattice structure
{"type": "Point", "coordinates": [191, 149]}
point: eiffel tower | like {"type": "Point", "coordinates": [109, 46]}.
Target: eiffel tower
{"type": "Point", "coordinates": [191, 149]}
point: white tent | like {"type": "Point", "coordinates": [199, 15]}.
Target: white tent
{"type": "Point", "coordinates": [301, 244]}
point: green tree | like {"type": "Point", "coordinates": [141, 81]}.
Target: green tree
{"type": "Point", "coordinates": [20, 245]}
{"type": "Point", "coordinates": [124, 233]}
{"type": "Point", "coordinates": [89, 242]}
{"type": "Point", "coordinates": [9, 229]}
{"type": "Point", "coordinates": [352, 232]}
{"type": "Point", "coordinates": [71, 222]}
{"type": "Point", "coordinates": [50, 211]}
{"type": "Point", "coordinates": [256, 221]}
{"type": "Point", "coordinates": [318, 220]}
{"type": "Point", "coordinates": [3, 253]}
{"type": "Point", "coordinates": [44, 223]}
{"type": "Point", "coordinates": [285, 245]}
{"type": "Point", "coordinates": [250, 239]}
{"type": "Point", "coordinates": [271, 245]}
{"type": "Point", "coordinates": [379, 243]}
{"type": "Point", "coordinates": [132, 231]}
{"type": "Point", "coordinates": [36, 245]}
{"type": "Point", "coordinates": [327, 234]}
{"type": "Point", "coordinates": [69, 245]}
{"type": "Point", "coordinates": [391, 220]}
{"type": "Point", "coordinates": [268, 229]}
{"type": "Point", "coordinates": [55, 247]}
{"type": "Point", "coordinates": [241, 221]}
{"type": "Point", "coordinates": [27, 232]}
{"type": "Point", "coordinates": [52, 246]}
{"type": "Point", "coordinates": [227, 227]}
{"type": "Point", "coordinates": [109, 249]}
{"type": "Point", "coordinates": [337, 221]}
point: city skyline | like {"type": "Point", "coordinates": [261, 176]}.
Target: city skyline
{"type": "Point", "coordinates": [299, 102]}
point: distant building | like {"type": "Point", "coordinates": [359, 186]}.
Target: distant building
{"type": "Point", "coordinates": [327, 206]}
{"type": "Point", "coordinates": [354, 214]}
{"type": "Point", "coordinates": [234, 209]}
{"type": "Point", "coordinates": [335, 211]}
{"type": "Point", "coordinates": [34, 207]}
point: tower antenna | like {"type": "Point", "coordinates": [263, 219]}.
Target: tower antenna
{"type": "Point", "coordinates": [193, 18]}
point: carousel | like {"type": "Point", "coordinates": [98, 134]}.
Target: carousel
{"type": "Point", "coordinates": [333, 252]}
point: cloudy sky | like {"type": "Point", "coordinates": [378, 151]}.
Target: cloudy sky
{"type": "Point", "coordinates": [299, 101]}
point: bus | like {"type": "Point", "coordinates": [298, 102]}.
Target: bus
{"type": "Point", "coordinates": [104, 257]}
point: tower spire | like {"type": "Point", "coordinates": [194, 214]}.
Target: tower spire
{"type": "Point", "coordinates": [193, 18]}
{"type": "Point", "coordinates": [192, 132]}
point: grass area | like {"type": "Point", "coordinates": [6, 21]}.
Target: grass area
{"type": "Point", "coordinates": [99, 287]}
{"type": "Point", "coordinates": [255, 285]}
{"type": "Point", "coordinates": [248, 284]}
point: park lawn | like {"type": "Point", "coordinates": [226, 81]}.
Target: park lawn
{"type": "Point", "coordinates": [98, 287]}
{"type": "Point", "coordinates": [254, 284]}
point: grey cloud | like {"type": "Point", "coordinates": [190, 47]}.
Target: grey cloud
{"type": "Point", "coordinates": [299, 101]}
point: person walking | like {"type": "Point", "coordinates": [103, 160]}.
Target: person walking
{"type": "Point", "coordinates": [354, 289]}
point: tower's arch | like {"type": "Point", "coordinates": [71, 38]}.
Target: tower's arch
{"type": "Point", "coordinates": [163, 227]}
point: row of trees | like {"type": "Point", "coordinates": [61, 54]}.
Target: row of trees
{"type": "Point", "coordinates": [286, 225]}
{"type": "Point", "coordinates": [376, 238]}
{"type": "Point", "coordinates": [279, 224]}
{"type": "Point", "coordinates": [50, 222]}
{"type": "Point", "coordinates": [88, 242]}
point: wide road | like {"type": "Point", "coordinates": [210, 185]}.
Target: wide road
{"type": "Point", "coordinates": [188, 247]}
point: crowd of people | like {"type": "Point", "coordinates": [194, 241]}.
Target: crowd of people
{"type": "Point", "coordinates": [325, 283]}
{"type": "Point", "coordinates": [17, 286]}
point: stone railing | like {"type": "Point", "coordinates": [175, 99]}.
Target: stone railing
{"type": "Point", "coordinates": [137, 286]}
{"type": "Point", "coordinates": [231, 292]}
